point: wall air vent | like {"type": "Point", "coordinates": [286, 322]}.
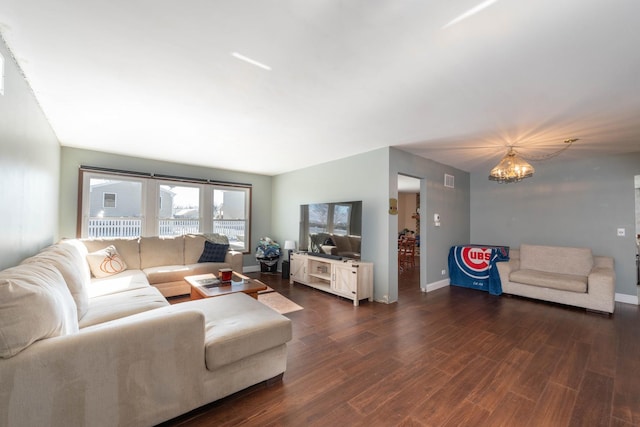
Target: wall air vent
{"type": "Point", "coordinates": [449, 181]}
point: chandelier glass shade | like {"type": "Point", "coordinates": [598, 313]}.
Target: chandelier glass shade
{"type": "Point", "coordinates": [511, 169]}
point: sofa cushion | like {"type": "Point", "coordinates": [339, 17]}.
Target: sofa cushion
{"type": "Point", "coordinates": [238, 326]}
{"type": "Point", "coordinates": [128, 249]}
{"type": "Point", "coordinates": [115, 306]}
{"type": "Point", "coordinates": [193, 246]}
{"type": "Point", "coordinates": [555, 259]}
{"type": "Point", "coordinates": [543, 279]}
{"type": "Point", "coordinates": [167, 273]}
{"type": "Point", "coordinates": [158, 251]}
{"type": "Point", "coordinates": [213, 252]}
{"type": "Point", "coordinates": [69, 259]}
{"type": "Point", "coordinates": [121, 282]}
{"type": "Point", "coordinates": [106, 262]}
{"type": "Point", "coordinates": [35, 303]}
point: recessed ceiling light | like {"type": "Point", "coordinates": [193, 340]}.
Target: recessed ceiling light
{"type": "Point", "coordinates": [250, 61]}
{"type": "Point", "coordinates": [472, 11]}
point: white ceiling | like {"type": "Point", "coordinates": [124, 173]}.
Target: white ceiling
{"type": "Point", "coordinates": [156, 78]}
{"type": "Point", "coordinates": [407, 184]}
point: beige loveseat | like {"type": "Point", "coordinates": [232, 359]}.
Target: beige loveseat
{"type": "Point", "coordinates": [165, 261]}
{"type": "Point", "coordinates": [564, 275]}
{"type": "Point", "coordinates": [81, 351]}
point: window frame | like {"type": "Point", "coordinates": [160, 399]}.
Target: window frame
{"type": "Point", "coordinates": [151, 204]}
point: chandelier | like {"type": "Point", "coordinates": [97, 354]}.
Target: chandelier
{"type": "Point", "coordinates": [513, 168]}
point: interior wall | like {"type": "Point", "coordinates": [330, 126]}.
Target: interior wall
{"type": "Point", "coordinates": [566, 203]}
{"type": "Point", "coordinates": [73, 158]}
{"type": "Point", "coordinates": [373, 178]}
{"type": "Point", "coordinates": [453, 205]}
{"type": "Point", "coordinates": [362, 177]}
{"type": "Point", "coordinates": [29, 170]}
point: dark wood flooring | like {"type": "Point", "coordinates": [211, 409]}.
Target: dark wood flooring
{"type": "Point", "coordinates": [452, 357]}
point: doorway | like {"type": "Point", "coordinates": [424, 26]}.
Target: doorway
{"type": "Point", "coordinates": [408, 232]}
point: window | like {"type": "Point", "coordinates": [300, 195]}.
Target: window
{"type": "Point", "coordinates": [108, 200]}
{"type": "Point", "coordinates": [103, 217]}
{"type": "Point", "coordinates": [231, 214]}
{"type": "Point", "coordinates": [129, 205]}
{"type": "Point", "coordinates": [180, 212]}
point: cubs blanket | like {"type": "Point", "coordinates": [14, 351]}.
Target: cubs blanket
{"type": "Point", "coordinates": [473, 266]}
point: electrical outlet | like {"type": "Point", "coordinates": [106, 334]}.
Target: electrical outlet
{"type": "Point", "coordinates": [621, 232]}
{"type": "Point", "coordinates": [444, 272]}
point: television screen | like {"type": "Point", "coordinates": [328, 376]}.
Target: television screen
{"type": "Point", "coordinates": [331, 229]}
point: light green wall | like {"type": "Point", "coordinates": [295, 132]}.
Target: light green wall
{"type": "Point", "coordinates": [362, 177]}
{"type": "Point", "coordinates": [372, 178]}
{"type": "Point", "coordinates": [29, 169]}
{"type": "Point", "coordinates": [566, 203]}
{"type": "Point", "coordinates": [451, 203]}
{"type": "Point", "coordinates": [73, 158]}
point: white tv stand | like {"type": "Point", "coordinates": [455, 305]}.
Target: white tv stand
{"type": "Point", "coordinates": [350, 279]}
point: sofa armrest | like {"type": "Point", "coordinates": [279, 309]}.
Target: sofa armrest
{"type": "Point", "coordinates": [234, 258]}
{"type": "Point", "coordinates": [137, 370]}
{"type": "Point", "coordinates": [602, 278]}
{"type": "Point", "coordinates": [602, 281]}
{"type": "Point", "coordinates": [506, 267]}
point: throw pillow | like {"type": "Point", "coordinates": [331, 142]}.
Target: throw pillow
{"type": "Point", "coordinates": [106, 262]}
{"type": "Point", "coordinates": [213, 252]}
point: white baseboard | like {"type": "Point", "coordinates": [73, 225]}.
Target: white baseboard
{"type": "Point", "coordinates": [624, 298]}
{"type": "Point", "coordinates": [436, 285]}
{"type": "Point", "coordinates": [627, 299]}
{"type": "Point", "coordinates": [251, 269]}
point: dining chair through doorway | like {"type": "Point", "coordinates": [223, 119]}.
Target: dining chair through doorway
{"type": "Point", "coordinates": [406, 254]}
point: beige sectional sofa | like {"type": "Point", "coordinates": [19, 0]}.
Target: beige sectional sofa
{"type": "Point", "coordinates": [564, 275]}
{"type": "Point", "coordinates": [166, 261]}
{"type": "Point", "coordinates": [81, 351]}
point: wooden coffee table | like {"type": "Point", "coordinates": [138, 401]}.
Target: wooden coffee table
{"type": "Point", "coordinates": [239, 283]}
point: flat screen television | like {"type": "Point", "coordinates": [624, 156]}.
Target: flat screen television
{"type": "Point", "coordinates": [332, 230]}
